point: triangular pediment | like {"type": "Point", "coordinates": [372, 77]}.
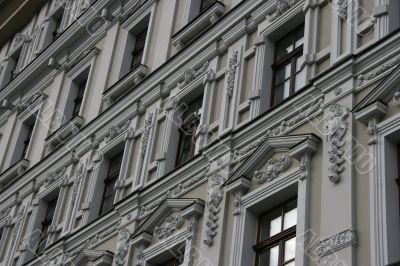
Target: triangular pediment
{"type": "Point", "coordinates": [273, 149]}
{"type": "Point", "coordinates": [172, 209]}
{"type": "Point", "coordinates": [383, 92]}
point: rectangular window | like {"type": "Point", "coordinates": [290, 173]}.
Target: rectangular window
{"type": "Point", "coordinates": [187, 131]}
{"type": "Point", "coordinates": [114, 168]}
{"type": "Point", "coordinates": [172, 262]}
{"type": "Point", "coordinates": [24, 139]}
{"type": "Point", "coordinates": [1, 233]}
{"type": "Point", "coordinates": [276, 241]}
{"type": "Point", "coordinates": [288, 75]}
{"type": "Point", "coordinates": [79, 97]}
{"type": "Point", "coordinates": [46, 223]}
{"type": "Point", "coordinates": [57, 28]}
{"type": "Point", "coordinates": [137, 53]}
{"type": "Point", "coordinates": [27, 140]}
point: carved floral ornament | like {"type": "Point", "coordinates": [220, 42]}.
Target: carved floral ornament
{"type": "Point", "coordinates": [170, 226]}
{"type": "Point", "coordinates": [231, 72]}
{"type": "Point", "coordinates": [190, 75]}
{"type": "Point", "coordinates": [122, 247]}
{"type": "Point", "coordinates": [272, 169]}
{"type": "Point", "coordinates": [396, 98]}
{"type": "Point", "coordinates": [215, 194]}
{"type": "Point", "coordinates": [281, 7]}
{"type": "Point", "coordinates": [336, 128]}
{"type": "Point", "coordinates": [336, 242]}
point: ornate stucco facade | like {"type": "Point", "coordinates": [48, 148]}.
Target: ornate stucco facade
{"type": "Point", "coordinates": [101, 163]}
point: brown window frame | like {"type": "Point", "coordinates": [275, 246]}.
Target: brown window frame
{"type": "Point", "coordinates": [277, 239]}
{"type": "Point", "coordinates": [278, 64]}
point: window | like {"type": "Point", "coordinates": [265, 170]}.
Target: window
{"type": "Point", "coordinates": [57, 27]}
{"type": "Point", "coordinates": [46, 223]}
{"type": "Point", "coordinates": [24, 139]}
{"type": "Point", "coordinates": [187, 131]}
{"type": "Point", "coordinates": [205, 3]}
{"type": "Point", "coordinates": [137, 53]}
{"type": "Point", "coordinates": [1, 233]}
{"type": "Point", "coordinates": [276, 240]}
{"type": "Point", "coordinates": [288, 75]}
{"type": "Point", "coordinates": [109, 183]}
{"type": "Point", "coordinates": [172, 262]}
{"type": "Point", "coordinates": [398, 172]}
{"type": "Point", "coordinates": [76, 93]}
{"type": "Point", "coordinates": [79, 98]}
{"type": "Point", "coordinates": [27, 140]}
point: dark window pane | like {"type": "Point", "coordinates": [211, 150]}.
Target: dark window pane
{"type": "Point", "coordinates": [79, 98]}
{"type": "Point", "coordinates": [187, 132]}
{"type": "Point", "coordinates": [109, 183]}
{"type": "Point", "coordinates": [205, 3]}
{"type": "Point", "coordinates": [284, 47]}
{"type": "Point", "coordinates": [137, 53]}
{"type": "Point", "coordinates": [48, 220]}
{"type": "Point", "coordinates": [27, 140]}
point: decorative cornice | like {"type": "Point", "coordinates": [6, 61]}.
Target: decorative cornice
{"type": "Point", "coordinates": [337, 242]}
{"type": "Point", "coordinates": [171, 224]}
{"type": "Point", "coordinates": [215, 194]}
{"type": "Point", "coordinates": [336, 126]}
{"type": "Point", "coordinates": [272, 169]}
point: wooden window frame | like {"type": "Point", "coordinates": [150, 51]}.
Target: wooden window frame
{"type": "Point", "coordinates": [278, 239]}
{"type": "Point", "coordinates": [278, 64]}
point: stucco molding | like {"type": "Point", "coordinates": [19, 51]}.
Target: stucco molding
{"type": "Point", "coordinates": [396, 98]}
{"type": "Point", "coordinates": [170, 225]}
{"type": "Point", "coordinates": [215, 194]}
{"type": "Point", "coordinates": [122, 247]}
{"type": "Point", "coordinates": [281, 7]}
{"type": "Point", "coordinates": [336, 242]}
{"type": "Point", "coordinates": [190, 74]}
{"type": "Point", "coordinates": [231, 72]}
{"type": "Point", "coordinates": [378, 70]}
{"type": "Point", "coordinates": [336, 126]}
{"type": "Point", "coordinates": [273, 168]}
{"type": "Point", "coordinates": [148, 124]}
{"type": "Point", "coordinates": [342, 8]}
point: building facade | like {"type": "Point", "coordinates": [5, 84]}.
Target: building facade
{"type": "Point", "coordinates": [200, 132]}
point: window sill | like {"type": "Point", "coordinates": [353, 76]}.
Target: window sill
{"type": "Point", "coordinates": [14, 171]}
{"type": "Point", "coordinates": [65, 131]}
{"type": "Point", "coordinates": [198, 25]}
{"type": "Point", "coordinates": [133, 78]}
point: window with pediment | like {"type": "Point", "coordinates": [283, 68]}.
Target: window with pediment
{"type": "Point", "coordinates": [276, 241]}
